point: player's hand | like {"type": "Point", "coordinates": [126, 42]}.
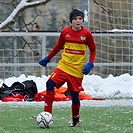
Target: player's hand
{"type": "Point", "coordinates": [44, 61]}
{"type": "Point", "coordinates": [87, 68]}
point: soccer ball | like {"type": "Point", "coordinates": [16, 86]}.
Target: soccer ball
{"type": "Point", "coordinates": [44, 119]}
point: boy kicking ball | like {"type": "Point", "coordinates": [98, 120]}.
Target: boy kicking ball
{"type": "Point", "coordinates": [72, 66]}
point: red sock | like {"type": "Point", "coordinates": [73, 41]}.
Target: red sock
{"type": "Point", "coordinates": [75, 111]}
{"type": "Point", "coordinates": [49, 101]}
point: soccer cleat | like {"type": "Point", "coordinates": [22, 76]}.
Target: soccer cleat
{"type": "Point", "coordinates": [75, 123]}
{"type": "Point", "coordinates": [34, 117]}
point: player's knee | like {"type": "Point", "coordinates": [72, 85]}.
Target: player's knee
{"type": "Point", "coordinates": [75, 97]}
{"type": "Point", "coordinates": [50, 84]}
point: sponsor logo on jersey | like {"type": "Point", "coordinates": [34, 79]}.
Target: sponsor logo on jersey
{"type": "Point", "coordinates": [81, 52]}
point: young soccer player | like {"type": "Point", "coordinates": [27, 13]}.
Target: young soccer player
{"type": "Point", "coordinates": [72, 66]}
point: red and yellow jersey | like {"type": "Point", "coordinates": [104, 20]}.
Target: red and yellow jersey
{"type": "Point", "coordinates": [74, 44]}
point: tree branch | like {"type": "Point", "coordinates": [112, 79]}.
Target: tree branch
{"type": "Point", "coordinates": [21, 6]}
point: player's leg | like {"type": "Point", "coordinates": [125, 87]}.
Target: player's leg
{"type": "Point", "coordinates": [56, 79]}
{"type": "Point", "coordinates": [50, 84]}
{"type": "Point", "coordinates": [75, 108]}
{"type": "Point", "coordinates": [75, 86]}
{"type": "Point", "coordinates": [49, 98]}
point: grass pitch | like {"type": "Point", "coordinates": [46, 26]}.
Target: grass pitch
{"type": "Point", "coordinates": [113, 119]}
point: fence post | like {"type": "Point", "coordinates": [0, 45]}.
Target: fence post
{"type": "Point", "coordinates": [43, 52]}
{"type": "Point", "coordinates": [132, 36]}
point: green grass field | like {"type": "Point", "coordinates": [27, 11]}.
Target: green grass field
{"type": "Point", "coordinates": [113, 119]}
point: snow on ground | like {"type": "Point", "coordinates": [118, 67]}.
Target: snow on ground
{"type": "Point", "coordinates": [95, 86]}
{"type": "Point", "coordinates": [118, 91]}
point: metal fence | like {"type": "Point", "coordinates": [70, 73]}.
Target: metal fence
{"type": "Point", "coordinates": [16, 61]}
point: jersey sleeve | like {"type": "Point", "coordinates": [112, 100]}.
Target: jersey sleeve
{"type": "Point", "coordinates": [92, 47]}
{"type": "Point", "coordinates": [57, 47]}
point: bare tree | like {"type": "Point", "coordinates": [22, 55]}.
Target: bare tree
{"type": "Point", "coordinates": [29, 16]}
{"type": "Point", "coordinates": [18, 21]}
{"type": "Point", "coordinates": [23, 5]}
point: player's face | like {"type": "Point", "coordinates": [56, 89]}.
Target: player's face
{"type": "Point", "coordinates": [77, 23]}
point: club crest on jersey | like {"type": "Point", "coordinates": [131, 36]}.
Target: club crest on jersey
{"type": "Point", "coordinates": [83, 38]}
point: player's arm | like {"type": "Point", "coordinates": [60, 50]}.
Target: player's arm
{"type": "Point", "coordinates": [57, 47]}
{"type": "Point", "coordinates": [92, 47]}
{"type": "Point", "coordinates": [54, 51]}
